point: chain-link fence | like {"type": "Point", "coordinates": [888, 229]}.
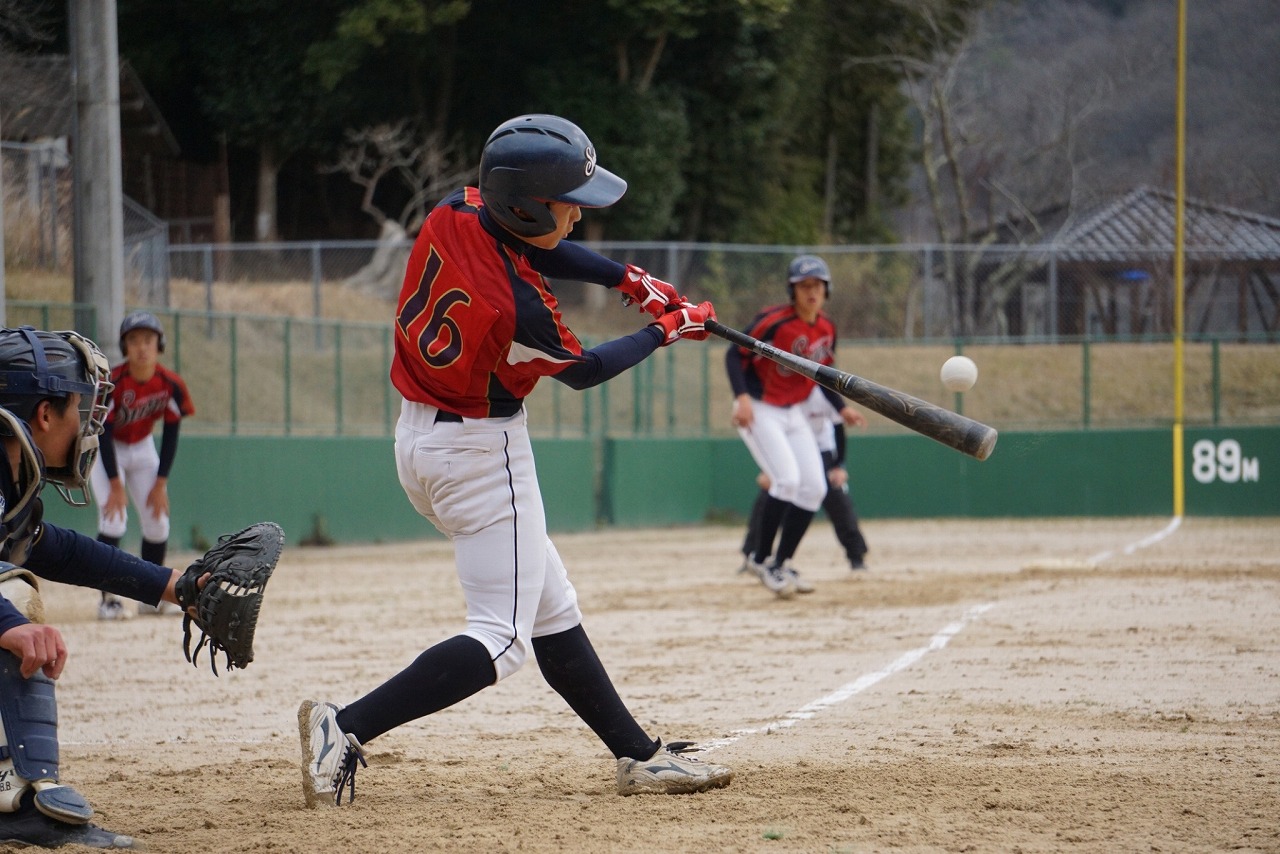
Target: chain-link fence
{"type": "Point", "coordinates": [293, 338]}
{"type": "Point", "coordinates": [272, 375]}
{"type": "Point", "coordinates": [878, 292]}
{"type": "Point", "coordinates": [36, 192]}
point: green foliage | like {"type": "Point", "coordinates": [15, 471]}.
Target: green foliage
{"type": "Point", "coordinates": [649, 154]}
{"type": "Point", "coordinates": [365, 29]}
{"type": "Point", "coordinates": [732, 120]}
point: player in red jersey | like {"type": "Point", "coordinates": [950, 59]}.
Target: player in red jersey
{"type": "Point", "coordinates": [768, 412]}
{"type": "Point", "coordinates": [477, 326]}
{"type": "Point", "coordinates": [129, 466]}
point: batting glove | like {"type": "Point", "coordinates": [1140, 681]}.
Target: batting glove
{"type": "Point", "coordinates": [685, 321]}
{"type": "Point", "coordinates": [652, 295]}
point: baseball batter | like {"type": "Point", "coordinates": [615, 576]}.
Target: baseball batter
{"type": "Point", "coordinates": [477, 327]}
{"type": "Point", "coordinates": [145, 392]}
{"type": "Point", "coordinates": [768, 414]}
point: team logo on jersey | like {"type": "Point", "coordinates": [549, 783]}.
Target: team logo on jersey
{"type": "Point", "coordinates": [146, 409]}
{"type": "Point", "coordinates": [819, 351]}
{"type": "Point", "coordinates": [590, 154]}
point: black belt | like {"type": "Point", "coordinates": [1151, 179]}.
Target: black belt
{"type": "Point", "coordinates": [453, 417]}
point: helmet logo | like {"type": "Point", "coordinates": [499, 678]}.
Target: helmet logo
{"type": "Point", "coordinates": [590, 154]}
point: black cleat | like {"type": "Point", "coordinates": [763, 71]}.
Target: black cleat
{"type": "Point", "coordinates": [29, 826]}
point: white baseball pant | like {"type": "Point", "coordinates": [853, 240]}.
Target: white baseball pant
{"type": "Point", "coordinates": [782, 443]}
{"type": "Point", "coordinates": [822, 418]}
{"type": "Point", "coordinates": [138, 465]}
{"type": "Point", "coordinates": [476, 482]}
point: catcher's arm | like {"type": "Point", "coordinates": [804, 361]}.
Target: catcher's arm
{"type": "Point", "coordinates": [225, 605]}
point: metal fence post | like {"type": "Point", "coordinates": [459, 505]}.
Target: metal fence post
{"type": "Point", "coordinates": [1053, 295]}
{"type": "Point", "coordinates": [706, 388]}
{"type": "Point", "coordinates": [337, 376]}
{"type": "Point", "coordinates": [316, 277]}
{"type": "Point", "coordinates": [235, 415]}
{"type": "Point", "coordinates": [206, 257]}
{"type": "Point", "coordinates": [1216, 368]}
{"type": "Point", "coordinates": [176, 339]}
{"type": "Point", "coordinates": [287, 359]}
{"type": "Point", "coordinates": [671, 391]}
{"type": "Point", "coordinates": [386, 383]}
{"type": "Point", "coordinates": [1085, 380]}
{"type": "Point", "coordinates": [926, 278]}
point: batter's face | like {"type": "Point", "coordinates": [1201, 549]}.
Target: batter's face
{"type": "Point", "coordinates": [566, 216]}
{"type": "Point", "coordinates": [808, 296]}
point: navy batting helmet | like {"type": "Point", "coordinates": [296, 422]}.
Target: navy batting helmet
{"type": "Point", "coordinates": [807, 267]}
{"type": "Point", "coordinates": [531, 160]}
{"type": "Point", "coordinates": [37, 365]}
{"type": "Point", "coordinates": [140, 320]}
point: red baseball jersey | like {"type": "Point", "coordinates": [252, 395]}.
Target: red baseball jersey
{"type": "Point", "coordinates": [476, 325]}
{"type": "Point", "coordinates": [783, 328]}
{"type": "Point", "coordinates": [135, 407]}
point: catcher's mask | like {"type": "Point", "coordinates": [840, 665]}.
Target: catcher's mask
{"type": "Point", "coordinates": [37, 365]}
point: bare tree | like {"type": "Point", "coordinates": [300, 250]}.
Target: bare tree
{"type": "Point", "coordinates": [22, 23]}
{"type": "Point", "coordinates": [25, 22]}
{"type": "Point", "coordinates": [1000, 141]}
{"type": "Point", "coordinates": [398, 164]}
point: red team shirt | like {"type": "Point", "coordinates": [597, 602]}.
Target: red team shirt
{"type": "Point", "coordinates": [780, 326]}
{"type": "Point", "coordinates": [475, 328]}
{"type": "Point", "coordinates": [136, 406]}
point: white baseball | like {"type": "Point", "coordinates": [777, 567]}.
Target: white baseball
{"type": "Point", "coordinates": [959, 373]}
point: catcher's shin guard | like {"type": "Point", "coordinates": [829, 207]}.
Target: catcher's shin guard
{"type": "Point", "coordinates": [29, 713]}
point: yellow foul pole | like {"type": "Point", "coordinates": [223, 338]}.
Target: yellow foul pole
{"type": "Point", "coordinates": [1179, 288]}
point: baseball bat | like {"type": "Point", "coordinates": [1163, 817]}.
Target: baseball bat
{"type": "Point", "coordinates": [950, 428]}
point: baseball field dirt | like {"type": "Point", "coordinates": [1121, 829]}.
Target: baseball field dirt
{"type": "Point", "coordinates": [1083, 685]}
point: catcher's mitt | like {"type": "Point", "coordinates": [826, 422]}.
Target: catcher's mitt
{"type": "Point", "coordinates": [226, 608]}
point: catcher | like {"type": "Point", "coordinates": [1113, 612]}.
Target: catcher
{"type": "Point", "coordinates": [53, 391]}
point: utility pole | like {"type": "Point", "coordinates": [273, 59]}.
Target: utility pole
{"type": "Point", "coordinates": [99, 216]}
{"type": "Point", "coordinates": [4, 296]}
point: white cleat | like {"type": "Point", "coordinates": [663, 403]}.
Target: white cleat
{"type": "Point", "coordinates": [670, 772]}
{"type": "Point", "coordinates": [802, 585]}
{"type": "Point", "coordinates": [777, 579]}
{"type": "Point", "coordinates": [112, 608]}
{"type": "Point", "coordinates": [329, 755]}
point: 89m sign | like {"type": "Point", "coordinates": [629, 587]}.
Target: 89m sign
{"type": "Point", "coordinates": [1222, 461]}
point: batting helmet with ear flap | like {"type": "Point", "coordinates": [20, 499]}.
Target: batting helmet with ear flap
{"type": "Point", "coordinates": [807, 267]}
{"type": "Point", "coordinates": [535, 159]}
{"type": "Point", "coordinates": [140, 320]}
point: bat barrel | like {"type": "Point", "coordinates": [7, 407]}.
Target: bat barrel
{"type": "Point", "coordinates": [942, 425]}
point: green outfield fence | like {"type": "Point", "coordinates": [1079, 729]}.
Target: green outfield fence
{"type": "Point", "coordinates": [285, 376]}
{"type": "Point", "coordinates": [294, 419]}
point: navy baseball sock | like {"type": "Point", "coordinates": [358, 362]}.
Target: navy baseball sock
{"type": "Point", "coordinates": [770, 519]}
{"type": "Point", "coordinates": [794, 525]}
{"type": "Point", "coordinates": [571, 667]}
{"type": "Point", "coordinates": [752, 539]}
{"type": "Point", "coordinates": [445, 674]}
{"type": "Point", "coordinates": [154, 552]}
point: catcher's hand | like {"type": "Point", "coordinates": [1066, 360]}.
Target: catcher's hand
{"type": "Point", "coordinates": [226, 605]}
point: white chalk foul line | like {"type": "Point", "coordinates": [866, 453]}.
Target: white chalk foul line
{"type": "Point", "coordinates": [1140, 544]}
{"type": "Point", "coordinates": [857, 686]}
